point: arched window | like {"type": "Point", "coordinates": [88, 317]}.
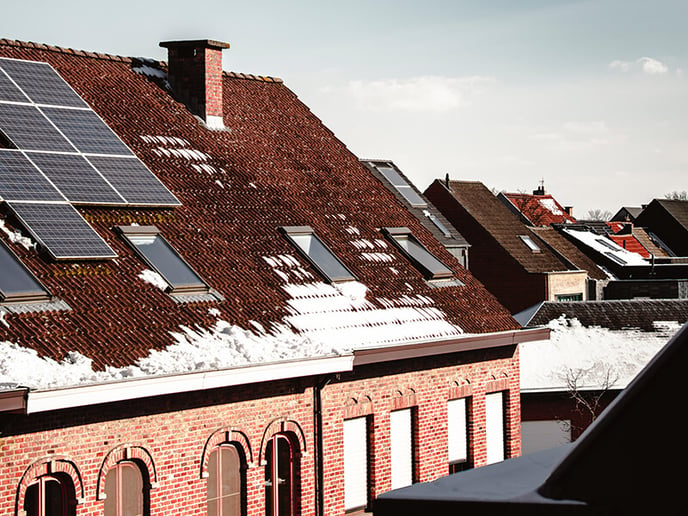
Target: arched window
{"type": "Point", "coordinates": [282, 475]}
{"type": "Point", "coordinates": [50, 495]}
{"type": "Point", "coordinates": [126, 491]}
{"type": "Point", "coordinates": [226, 481]}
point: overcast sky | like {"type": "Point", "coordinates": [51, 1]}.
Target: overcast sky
{"type": "Point", "coordinates": [589, 95]}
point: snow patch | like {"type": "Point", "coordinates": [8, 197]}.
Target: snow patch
{"type": "Point", "coordinates": [591, 355]}
{"type": "Point", "coordinates": [16, 237]}
{"type": "Point", "coordinates": [153, 278]}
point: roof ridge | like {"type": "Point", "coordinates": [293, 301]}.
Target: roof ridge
{"type": "Point", "coordinates": [124, 59]}
{"type": "Point", "coordinates": [64, 50]}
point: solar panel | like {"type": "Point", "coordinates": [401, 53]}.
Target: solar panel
{"type": "Point", "coordinates": [78, 181]}
{"type": "Point", "coordinates": [21, 181]}
{"type": "Point", "coordinates": [61, 230]}
{"type": "Point", "coordinates": [41, 83]}
{"type": "Point", "coordinates": [134, 181]}
{"type": "Point", "coordinates": [87, 131]}
{"type": "Point", "coordinates": [8, 91]}
{"type": "Point", "coordinates": [28, 129]}
{"type": "Point", "coordinates": [402, 186]}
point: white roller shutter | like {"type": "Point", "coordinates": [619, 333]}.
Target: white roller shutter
{"type": "Point", "coordinates": [456, 430]}
{"type": "Point", "coordinates": [401, 442]}
{"type": "Point", "coordinates": [355, 463]}
{"type": "Point", "coordinates": [494, 426]}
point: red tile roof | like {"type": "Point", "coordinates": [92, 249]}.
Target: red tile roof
{"type": "Point", "coordinates": [278, 165]}
{"type": "Point", "coordinates": [540, 210]}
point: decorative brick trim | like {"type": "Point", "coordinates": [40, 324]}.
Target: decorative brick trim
{"type": "Point", "coordinates": [498, 384]}
{"type": "Point", "coordinates": [121, 453]}
{"type": "Point", "coordinates": [403, 400]}
{"type": "Point", "coordinates": [50, 466]}
{"type": "Point", "coordinates": [282, 425]}
{"type": "Point", "coordinates": [225, 436]}
{"type": "Point", "coordinates": [460, 389]}
{"type": "Point", "coordinates": [363, 406]}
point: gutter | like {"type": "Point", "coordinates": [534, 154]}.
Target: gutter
{"type": "Point", "coordinates": [28, 401]}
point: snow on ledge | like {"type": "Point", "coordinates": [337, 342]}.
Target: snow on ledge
{"type": "Point", "coordinates": [153, 278]}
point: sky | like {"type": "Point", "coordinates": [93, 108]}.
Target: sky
{"type": "Point", "coordinates": [588, 96]}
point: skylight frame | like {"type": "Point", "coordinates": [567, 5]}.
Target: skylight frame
{"type": "Point", "coordinates": [130, 235]}
{"type": "Point", "coordinates": [332, 276]}
{"type": "Point", "coordinates": [530, 243]}
{"type": "Point", "coordinates": [39, 294]}
{"type": "Point", "coordinates": [396, 235]}
{"type": "Point", "coordinates": [400, 184]}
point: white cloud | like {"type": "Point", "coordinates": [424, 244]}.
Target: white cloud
{"type": "Point", "coordinates": [416, 94]}
{"type": "Point", "coordinates": [647, 65]}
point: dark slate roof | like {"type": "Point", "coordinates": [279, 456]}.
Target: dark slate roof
{"type": "Point", "coordinates": [596, 475]}
{"type": "Point", "coordinates": [454, 240]}
{"type": "Point", "coordinates": [571, 253]}
{"type": "Point", "coordinates": [627, 213]}
{"type": "Point", "coordinates": [504, 226]}
{"type": "Point", "coordinates": [277, 166]}
{"type": "Point", "coordinates": [615, 314]}
{"type": "Point", "coordinates": [540, 210]}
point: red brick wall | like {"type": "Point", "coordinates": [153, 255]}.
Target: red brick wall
{"type": "Point", "coordinates": [174, 434]}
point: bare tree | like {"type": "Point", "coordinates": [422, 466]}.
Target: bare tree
{"type": "Point", "coordinates": [598, 214]}
{"type": "Point", "coordinates": [590, 402]}
{"type": "Point", "coordinates": [677, 196]}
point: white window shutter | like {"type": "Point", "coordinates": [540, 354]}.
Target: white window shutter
{"type": "Point", "coordinates": [494, 426]}
{"type": "Point", "coordinates": [456, 430]}
{"type": "Point", "coordinates": [355, 463]}
{"type": "Point", "coordinates": [401, 448]}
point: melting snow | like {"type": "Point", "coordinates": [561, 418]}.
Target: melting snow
{"type": "Point", "coordinates": [153, 278]}
{"type": "Point", "coordinates": [589, 355]}
{"type": "Point", "coordinates": [16, 237]}
{"type": "Point", "coordinates": [550, 205]}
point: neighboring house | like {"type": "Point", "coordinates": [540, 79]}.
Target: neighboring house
{"type": "Point", "coordinates": [208, 305]}
{"type": "Point", "coordinates": [668, 220]}
{"type": "Point", "coordinates": [599, 474]}
{"type": "Point", "coordinates": [596, 349]}
{"type": "Point", "coordinates": [627, 214]}
{"type": "Point", "coordinates": [633, 271]}
{"type": "Point", "coordinates": [538, 208]}
{"type": "Point", "coordinates": [506, 255]}
{"type": "Point", "coordinates": [395, 180]}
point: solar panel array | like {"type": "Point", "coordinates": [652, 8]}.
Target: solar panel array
{"type": "Point", "coordinates": [64, 155]}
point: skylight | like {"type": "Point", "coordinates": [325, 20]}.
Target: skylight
{"type": "Point", "coordinates": [159, 254]}
{"type": "Point", "coordinates": [529, 242]}
{"type": "Point", "coordinates": [438, 224]}
{"type": "Point", "coordinates": [317, 253]}
{"type": "Point", "coordinates": [17, 284]}
{"type": "Point", "coordinates": [606, 243]}
{"type": "Point", "coordinates": [422, 259]}
{"type": "Point", "coordinates": [401, 185]}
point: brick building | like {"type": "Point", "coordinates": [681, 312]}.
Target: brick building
{"type": "Point", "coordinates": [209, 305]}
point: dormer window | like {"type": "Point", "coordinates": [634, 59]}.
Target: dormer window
{"type": "Point", "coordinates": [317, 253]}
{"type": "Point", "coordinates": [152, 247]}
{"type": "Point", "coordinates": [422, 259]}
{"type": "Point", "coordinates": [17, 284]}
{"type": "Point", "coordinates": [529, 242]}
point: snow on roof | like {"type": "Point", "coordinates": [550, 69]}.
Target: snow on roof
{"type": "Point", "coordinates": [551, 205]}
{"type": "Point", "coordinates": [324, 320]}
{"type": "Point", "coordinates": [606, 247]}
{"type": "Point", "coordinates": [592, 357]}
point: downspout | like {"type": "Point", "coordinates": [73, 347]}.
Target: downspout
{"type": "Point", "coordinates": [318, 459]}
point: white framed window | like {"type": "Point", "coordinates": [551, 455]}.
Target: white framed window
{"type": "Point", "coordinates": [401, 447]}
{"type": "Point", "coordinates": [494, 427]}
{"type": "Point", "coordinates": [457, 435]}
{"type": "Point", "coordinates": [356, 470]}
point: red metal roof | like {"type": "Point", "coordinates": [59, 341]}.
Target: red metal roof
{"type": "Point", "coordinates": [277, 166]}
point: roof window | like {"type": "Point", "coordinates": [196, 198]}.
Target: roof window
{"type": "Point", "coordinates": [17, 284]}
{"type": "Point", "coordinates": [422, 259]}
{"type": "Point", "coordinates": [317, 253]}
{"type": "Point", "coordinates": [400, 184]}
{"type": "Point", "coordinates": [152, 247]}
{"type": "Point", "coordinates": [529, 242]}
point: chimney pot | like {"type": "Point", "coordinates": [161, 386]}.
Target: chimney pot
{"type": "Point", "coordinates": [195, 76]}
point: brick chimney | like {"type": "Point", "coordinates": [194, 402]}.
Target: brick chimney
{"type": "Point", "coordinates": [195, 76]}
